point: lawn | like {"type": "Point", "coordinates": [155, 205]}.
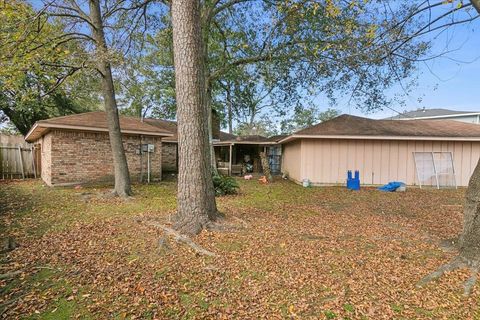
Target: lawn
{"type": "Point", "coordinates": [301, 253]}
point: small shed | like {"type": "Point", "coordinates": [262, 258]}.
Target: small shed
{"type": "Point", "coordinates": [76, 148]}
{"type": "Point", "coordinates": [417, 152]}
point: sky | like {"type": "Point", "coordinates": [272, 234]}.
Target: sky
{"type": "Point", "coordinates": [451, 81]}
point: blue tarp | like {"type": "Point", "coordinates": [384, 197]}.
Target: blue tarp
{"type": "Point", "coordinates": [391, 186]}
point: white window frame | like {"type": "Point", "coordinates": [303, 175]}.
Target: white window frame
{"type": "Point", "coordinates": [435, 167]}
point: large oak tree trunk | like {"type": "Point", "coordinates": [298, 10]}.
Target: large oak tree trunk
{"type": "Point", "coordinates": [196, 197]}
{"type": "Point", "coordinates": [469, 241]}
{"type": "Point", "coordinates": [470, 238]}
{"type": "Point", "coordinates": [122, 176]}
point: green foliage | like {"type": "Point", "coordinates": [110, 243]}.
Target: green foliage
{"type": "Point", "coordinates": [330, 314]}
{"type": "Point", "coordinates": [37, 76]}
{"type": "Point", "coordinates": [25, 105]}
{"type": "Point", "coordinates": [264, 59]}
{"type": "Point", "coordinates": [348, 307]}
{"type": "Point", "coordinates": [328, 114]}
{"type": "Point", "coordinates": [147, 80]}
{"type": "Point", "coordinates": [225, 185]}
{"type": "Point", "coordinates": [262, 127]}
{"type": "Point", "coordinates": [306, 117]}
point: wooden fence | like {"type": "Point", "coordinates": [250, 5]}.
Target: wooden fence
{"type": "Point", "coordinates": [18, 159]}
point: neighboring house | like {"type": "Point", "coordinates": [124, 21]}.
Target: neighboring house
{"type": "Point", "coordinates": [382, 150]}
{"type": "Point", "coordinates": [439, 114]}
{"type": "Point", "coordinates": [76, 148]}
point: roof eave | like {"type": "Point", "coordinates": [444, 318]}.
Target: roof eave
{"type": "Point", "coordinates": [245, 142]}
{"type": "Point", "coordinates": [454, 115]}
{"type": "Point", "coordinates": [30, 132]}
{"type": "Point", "coordinates": [39, 125]}
{"type": "Point", "coordinates": [364, 137]}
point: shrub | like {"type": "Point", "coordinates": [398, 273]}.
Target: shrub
{"type": "Point", "coordinates": [224, 185]}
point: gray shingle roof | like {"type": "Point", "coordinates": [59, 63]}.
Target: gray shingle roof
{"type": "Point", "coordinates": [422, 113]}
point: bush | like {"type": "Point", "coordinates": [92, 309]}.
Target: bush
{"type": "Point", "coordinates": [224, 185]}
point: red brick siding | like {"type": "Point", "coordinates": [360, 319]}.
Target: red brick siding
{"type": "Point", "coordinates": [169, 157]}
{"type": "Point", "coordinates": [78, 157]}
{"type": "Point", "coordinates": [46, 156]}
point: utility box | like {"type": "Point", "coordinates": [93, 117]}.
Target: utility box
{"type": "Point", "coordinates": [148, 148]}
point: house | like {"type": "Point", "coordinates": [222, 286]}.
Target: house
{"type": "Point", "coordinates": [76, 148]}
{"type": "Point", "coordinates": [242, 154]}
{"type": "Point", "coordinates": [425, 152]}
{"type": "Point", "coordinates": [439, 114]}
{"type": "Point", "coordinates": [170, 144]}
{"type": "Point", "coordinates": [241, 150]}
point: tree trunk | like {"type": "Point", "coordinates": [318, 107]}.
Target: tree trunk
{"type": "Point", "coordinates": [470, 237]}
{"type": "Point", "coordinates": [122, 176]}
{"type": "Point", "coordinates": [205, 32]}
{"type": "Point", "coordinates": [229, 111]}
{"type": "Point", "coordinates": [476, 5]}
{"type": "Point", "coordinates": [196, 197]}
{"type": "Point", "coordinates": [208, 99]}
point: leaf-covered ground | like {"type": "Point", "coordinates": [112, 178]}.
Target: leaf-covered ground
{"type": "Point", "coordinates": [304, 253]}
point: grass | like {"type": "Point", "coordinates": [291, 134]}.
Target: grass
{"type": "Point", "coordinates": [321, 252]}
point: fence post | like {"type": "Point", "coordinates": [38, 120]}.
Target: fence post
{"type": "Point", "coordinates": [21, 161]}
{"type": "Point", "coordinates": [32, 153]}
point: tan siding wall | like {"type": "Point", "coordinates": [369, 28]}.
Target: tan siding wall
{"type": "Point", "coordinates": [326, 161]}
{"type": "Point", "coordinates": [291, 156]}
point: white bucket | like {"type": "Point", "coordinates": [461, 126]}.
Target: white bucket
{"type": "Point", "coordinates": [306, 183]}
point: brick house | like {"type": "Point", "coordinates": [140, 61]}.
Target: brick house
{"type": "Point", "coordinates": [170, 144]}
{"type": "Point", "coordinates": [76, 148]}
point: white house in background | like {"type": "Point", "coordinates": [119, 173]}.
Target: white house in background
{"type": "Point", "coordinates": [439, 114]}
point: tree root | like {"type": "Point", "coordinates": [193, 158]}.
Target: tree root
{"type": "Point", "coordinates": [456, 263]}
{"type": "Point", "coordinates": [9, 275]}
{"type": "Point", "coordinates": [221, 225]}
{"type": "Point", "coordinates": [468, 285]}
{"type": "Point", "coordinates": [181, 238]}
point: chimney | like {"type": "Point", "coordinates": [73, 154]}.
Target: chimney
{"type": "Point", "coordinates": [215, 125]}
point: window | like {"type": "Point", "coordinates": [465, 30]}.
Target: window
{"type": "Point", "coordinates": [435, 169]}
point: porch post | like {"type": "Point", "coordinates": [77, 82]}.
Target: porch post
{"type": "Point", "coordinates": [230, 160]}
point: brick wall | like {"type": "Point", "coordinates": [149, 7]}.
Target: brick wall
{"type": "Point", "coordinates": [78, 157]}
{"type": "Point", "coordinates": [46, 156]}
{"type": "Point", "coordinates": [169, 157]}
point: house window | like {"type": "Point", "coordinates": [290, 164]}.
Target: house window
{"type": "Point", "coordinates": [435, 169]}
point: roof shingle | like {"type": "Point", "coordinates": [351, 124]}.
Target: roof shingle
{"type": "Point", "coordinates": [347, 125]}
{"type": "Point", "coordinates": [93, 121]}
{"type": "Point", "coordinates": [427, 113]}
{"type": "Point", "coordinates": [171, 126]}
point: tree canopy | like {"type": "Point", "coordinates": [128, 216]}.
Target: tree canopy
{"type": "Point", "coordinates": [37, 80]}
{"type": "Point", "coordinates": [276, 57]}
